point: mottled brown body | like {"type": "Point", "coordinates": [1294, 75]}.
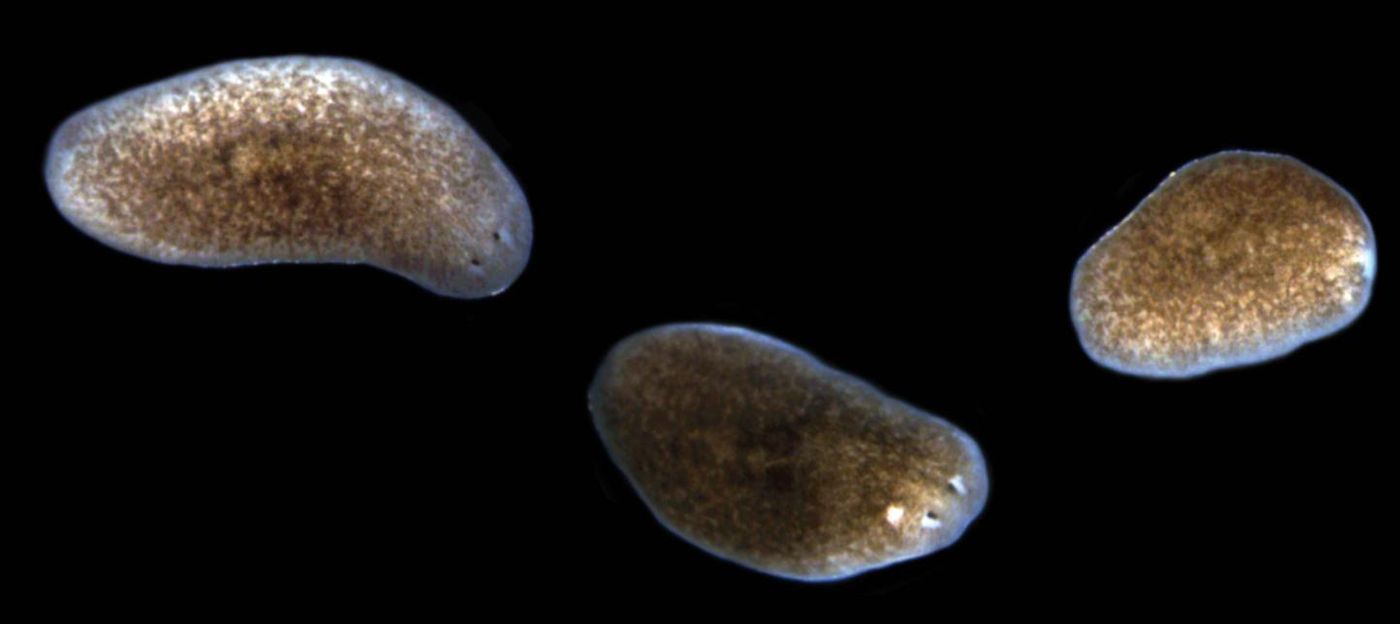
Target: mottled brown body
{"type": "Point", "coordinates": [294, 159]}
{"type": "Point", "coordinates": [757, 452]}
{"type": "Point", "coordinates": [1235, 258]}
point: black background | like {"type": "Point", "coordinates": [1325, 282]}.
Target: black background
{"type": "Point", "coordinates": [905, 199]}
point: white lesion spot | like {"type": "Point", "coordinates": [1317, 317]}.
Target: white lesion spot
{"type": "Point", "coordinates": [1366, 257]}
{"type": "Point", "coordinates": [894, 514]}
{"type": "Point", "coordinates": [930, 521]}
{"type": "Point", "coordinates": [958, 485]}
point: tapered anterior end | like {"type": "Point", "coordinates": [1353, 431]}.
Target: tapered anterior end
{"type": "Point", "coordinates": [492, 262]}
{"type": "Point", "coordinates": [294, 160]}
{"type": "Point", "coordinates": [953, 494]}
{"type": "Point", "coordinates": [514, 241]}
{"type": "Point", "coordinates": [917, 519]}
{"type": "Point", "coordinates": [1234, 259]}
{"type": "Point", "coordinates": [972, 484]}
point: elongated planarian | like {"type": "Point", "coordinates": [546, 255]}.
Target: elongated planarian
{"type": "Point", "coordinates": [1236, 258]}
{"type": "Point", "coordinates": [294, 159]}
{"type": "Point", "coordinates": [758, 453]}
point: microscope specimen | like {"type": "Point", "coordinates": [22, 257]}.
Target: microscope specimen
{"type": "Point", "coordinates": [293, 159]}
{"type": "Point", "coordinates": [1234, 259]}
{"type": "Point", "coordinates": [756, 452]}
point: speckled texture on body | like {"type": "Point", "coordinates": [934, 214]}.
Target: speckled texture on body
{"type": "Point", "coordinates": [294, 159]}
{"type": "Point", "coordinates": [1234, 259]}
{"type": "Point", "coordinates": [756, 452]}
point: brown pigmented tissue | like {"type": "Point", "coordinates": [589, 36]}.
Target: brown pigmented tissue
{"type": "Point", "coordinates": [294, 159]}
{"type": "Point", "coordinates": [1236, 258]}
{"type": "Point", "coordinates": [758, 453]}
